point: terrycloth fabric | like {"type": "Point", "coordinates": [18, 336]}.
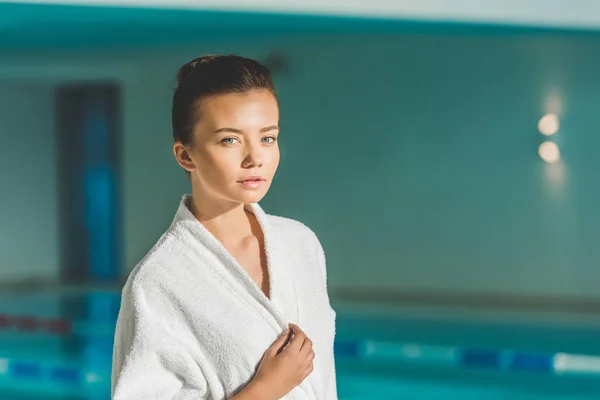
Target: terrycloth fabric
{"type": "Point", "coordinates": [194, 325]}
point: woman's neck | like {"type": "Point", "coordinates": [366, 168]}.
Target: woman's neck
{"type": "Point", "coordinates": [226, 221]}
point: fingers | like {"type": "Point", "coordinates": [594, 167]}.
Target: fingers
{"type": "Point", "coordinates": [310, 356]}
{"type": "Point", "coordinates": [308, 370]}
{"type": "Point", "coordinates": [298, 340]}
{"type": "Point", "coordinates": [306, 347]}
{"type": "Point", "coordinates": [300, 348]}
{"type": "Point", "coordinates": [300, 345]}
{"type": "Point", "coordinates": [279, 342]}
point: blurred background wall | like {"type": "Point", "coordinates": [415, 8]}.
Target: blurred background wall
{"type": "Point", "coordinates": [411, 149]}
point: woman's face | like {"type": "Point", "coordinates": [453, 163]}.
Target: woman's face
{"type": "Point", "coordinates": [235, 153]}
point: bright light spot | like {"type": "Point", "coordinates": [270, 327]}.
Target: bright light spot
{"type": "Point", "coordinates": [549, 124]}
{"type": "Point", "coordinates": [549, 152]}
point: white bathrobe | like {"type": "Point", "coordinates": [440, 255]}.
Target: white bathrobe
{"type": "Point", "coordinates": [194, 325]}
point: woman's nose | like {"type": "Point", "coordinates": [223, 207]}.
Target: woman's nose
{"type": "Point", "coordinates": [253, 159]}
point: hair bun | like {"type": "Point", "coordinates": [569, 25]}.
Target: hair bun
{"type": "Point", "coordinates": [189, 69]}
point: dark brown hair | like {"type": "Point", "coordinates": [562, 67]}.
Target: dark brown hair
{"type": "Point", "coordinates": [212, 75]}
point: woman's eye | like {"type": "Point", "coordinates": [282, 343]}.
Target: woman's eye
{"type": "Point", "coordinates": [228, 141]}
{"type": "Point", "coordinates": [269, 139]}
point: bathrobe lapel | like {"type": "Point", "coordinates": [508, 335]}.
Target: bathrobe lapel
{"type": "Point", "coordinates": [282, 307]}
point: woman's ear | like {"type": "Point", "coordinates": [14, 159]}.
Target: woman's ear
{"type": "Point", "coordinates": [183, 157]}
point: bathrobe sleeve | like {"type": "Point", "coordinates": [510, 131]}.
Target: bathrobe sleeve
{"type": "Point", "coordinates": [150, 360]}
{"type": "Point", "coordinates": [331, 391]}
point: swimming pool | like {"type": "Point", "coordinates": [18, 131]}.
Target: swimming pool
{"type": "Point", "coordinates": [422, 353]}
{"type": "Point", "coordinates": [59, 345]}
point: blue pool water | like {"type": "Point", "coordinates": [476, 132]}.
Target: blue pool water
{"type": "Point", "coordinates": [378, 355]}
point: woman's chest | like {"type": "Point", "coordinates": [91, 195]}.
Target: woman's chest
{"type": "Point", "coordinates": [251, 257]}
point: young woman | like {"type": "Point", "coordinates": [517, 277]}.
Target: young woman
{"type": "Point", "coordinates": [230, 303]}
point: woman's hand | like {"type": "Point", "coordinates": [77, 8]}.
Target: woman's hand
{"type": "Point", "coordinates": [282, 369]}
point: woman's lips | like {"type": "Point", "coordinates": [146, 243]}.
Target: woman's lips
{"type": "Point", "coordinates": [253, 182]}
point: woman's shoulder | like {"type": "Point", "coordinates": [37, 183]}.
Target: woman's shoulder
{"type": "Point", "coordinates": [154, 265]}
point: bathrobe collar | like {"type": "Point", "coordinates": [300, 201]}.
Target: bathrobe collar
{"type": "Point", "coordinates": [283, 303]}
